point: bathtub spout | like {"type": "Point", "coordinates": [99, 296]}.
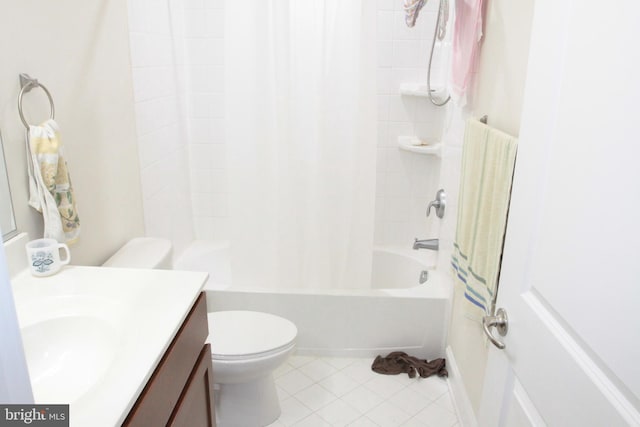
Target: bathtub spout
{"type": "Point", "coordinates": [432, 244]}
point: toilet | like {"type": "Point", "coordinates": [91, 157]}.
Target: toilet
{"type": "Point", "coordinates": [246, 346]}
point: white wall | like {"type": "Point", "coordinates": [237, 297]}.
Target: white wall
{"type": "Point", "coordinates": [80, 51]}
{"type": "Point", "coordinates": [157, 65]}
{"type": "Point", "coordinates": [498, 93]}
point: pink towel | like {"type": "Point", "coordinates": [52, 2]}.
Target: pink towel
{"type": "Point", "coordinates": [467, 35]}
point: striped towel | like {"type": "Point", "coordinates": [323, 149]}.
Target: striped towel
{"type": "Point", "coordinates": [488, 159]}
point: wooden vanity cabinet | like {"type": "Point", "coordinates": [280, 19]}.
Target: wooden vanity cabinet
{"type": "Point", "coordinates": [180, 391]}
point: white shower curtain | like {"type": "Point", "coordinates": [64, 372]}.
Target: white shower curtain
{"type": "Point", "coordinates": [300, 127]}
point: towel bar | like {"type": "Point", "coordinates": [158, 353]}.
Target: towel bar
{"type": "Point", "coordinates": [27, 83]}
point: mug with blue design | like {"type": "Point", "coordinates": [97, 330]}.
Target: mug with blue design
{"type": "Point", "coordinates": [43, 256]}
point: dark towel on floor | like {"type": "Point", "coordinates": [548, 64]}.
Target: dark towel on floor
{"type": "Point", "coordinates": [399, 362]}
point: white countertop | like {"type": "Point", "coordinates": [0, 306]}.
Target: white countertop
{"type": "Point", "coordinates": [94, 335]}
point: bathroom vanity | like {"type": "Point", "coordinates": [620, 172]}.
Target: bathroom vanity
{"type": "Point", "coordinates": [121, 346]}
{"type": "Point", "coordinates": [180, 392]}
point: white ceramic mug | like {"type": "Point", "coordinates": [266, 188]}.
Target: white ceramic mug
{"type": "Point", "coordinates": [43, 256]}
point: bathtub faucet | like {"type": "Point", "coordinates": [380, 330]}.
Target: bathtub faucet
{"type": "Point", "coordinates": [432, 244]}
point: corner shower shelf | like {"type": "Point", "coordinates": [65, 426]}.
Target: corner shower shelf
{"type": "Point", "coordinates": [419, 89]}
{"type": "Point", "coordinates": [415, 145]}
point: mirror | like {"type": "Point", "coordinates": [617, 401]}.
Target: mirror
{"type": "Point", "coordinates": [7, 220]}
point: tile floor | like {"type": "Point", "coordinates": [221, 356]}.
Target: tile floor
{"type": "Point", "coordinates": [332, 392]}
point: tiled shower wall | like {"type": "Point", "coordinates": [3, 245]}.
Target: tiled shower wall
{"type": "Point", "coordinates": [204, 31]}
{"type": "Point", "coordinates": [158, 80]}
{"type": "Point", "coordinates": [406, 182]}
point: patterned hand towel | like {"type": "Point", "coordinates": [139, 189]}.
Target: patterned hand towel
{"type": "Point", "coordinates": [51, 192]}
{"type": "Point", "coordinates": [488, 159]}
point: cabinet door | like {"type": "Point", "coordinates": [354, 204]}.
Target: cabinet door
{"type": "Point", "coordinates": [158, 399]}
{"type": "Point", "coordinates": [195, 407]}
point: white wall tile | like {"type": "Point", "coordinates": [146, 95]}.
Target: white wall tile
{"type": "Point", "coordinates": [194, 4]}
{"type": "Point", "coordinates": [384, 81]}
{"type": "Point", "coordinates": [214, 4]}
{"type": "Point", "coordinates": [383, 107]}
{"type": "Point", "coordinates": [385, 25]}
{"type": "Point", "coordinates": [206, 78]}
{"type": "Point", "coordinates": [402, 108]}
{"type": "Point", "coordinates": [215, 23]}
{"type": "Point", "coordinates": [406, 53]}
{"type": "Point", "coordinates": [385, 53]}
{"type": "Point", "coordinates": [386, 4]}
{"type": "Point", "coordinates": [400, 29]}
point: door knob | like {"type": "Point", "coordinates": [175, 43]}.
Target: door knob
{"type": "Point", "coordinates": [501, 323]}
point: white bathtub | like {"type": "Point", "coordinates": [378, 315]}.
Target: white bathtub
{"type": "Point", "coordinates": [397, 313]}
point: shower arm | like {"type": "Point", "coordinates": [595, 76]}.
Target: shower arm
{"type": "Point", "coordinates": [440, 36]}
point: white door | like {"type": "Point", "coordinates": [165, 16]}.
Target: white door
{"type": "Point", "coordinates": [570, 280]}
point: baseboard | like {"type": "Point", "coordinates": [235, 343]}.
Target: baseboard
{"type": "Point", "coordinates": [461, 402]}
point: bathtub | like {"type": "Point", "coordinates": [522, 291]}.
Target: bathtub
{"type": "Point", "coordinates": [396, 313]}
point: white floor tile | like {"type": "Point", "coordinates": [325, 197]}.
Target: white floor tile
{"type": "Point", "coordinates": [339, 383]}
{"type": "Point", "coordinates": [363, 422]}
{"type": "Point", "coordinates": [294, 381]}
{"type": "Point", "coordinates": [312, 420]}
{"type": "Point", "coordinates": [292, 411]}
{"type": "Point", "coordinates": [340, 362]}
{"type": "Point", "coordinates": [432, 387]}
{"type": "Point", "coordinates": [436, 416]}
{"type": "Point", "coordinates": [298, 361]}
{"type": "Point", "coordinates": [282, 395]}
{"type": "Point", "coordinates": [388, 415]}
{"type": "Point", "coordinates": [282, 369]}
{"type": "Point", "coordinates": [359, 372]}
{"type": "Point", "coordinates": [384, 385]}
{"type": "Point", "coordinates": [318, 369]}
{"type": "Point", "coordinates": [315, 397]}
{"type": "Point", "coordinates": [415, 422]}
{"type": "Point", "coordinates": [338, 413]}
{"type": "Point", "coordinates": [409, 401]}
{"type": "Point", "coordinates": [446, 402]}
{"type": "Point", "coordinates": [362, 399]}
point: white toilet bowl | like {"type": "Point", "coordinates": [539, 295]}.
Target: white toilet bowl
{"type": "Point", "coordinates": [246, 347]}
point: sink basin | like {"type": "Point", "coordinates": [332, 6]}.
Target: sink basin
{"type": "Point", "coordinates": [69, 342]}
{"type": "Point", "coordinates": [66, 356]}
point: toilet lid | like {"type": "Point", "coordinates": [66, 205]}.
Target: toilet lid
{"type": "Point", "coordinates": [244, 333]}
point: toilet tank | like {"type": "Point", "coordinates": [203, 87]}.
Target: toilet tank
{"type": "Point", "coordinates": [143, 252]}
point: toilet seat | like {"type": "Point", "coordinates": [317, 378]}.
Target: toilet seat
{"type": "Point", "coordinates": [241, 335]}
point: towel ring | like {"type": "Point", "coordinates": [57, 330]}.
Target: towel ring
{"type": "Point", "coordinates": [27, 84]}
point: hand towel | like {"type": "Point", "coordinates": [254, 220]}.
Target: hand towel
{"type": "Point", "coordinates": [51, 192]}
{"type": "Point", "coordinates": [467, 34]}
{"type": "Point", "coordinates": [488, 159]}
